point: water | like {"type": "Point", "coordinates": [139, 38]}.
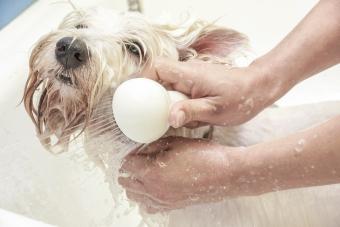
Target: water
{"type": "Point", "coordinates": [300, 145]}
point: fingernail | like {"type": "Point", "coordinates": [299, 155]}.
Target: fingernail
{"type": "Point", "coordinates": [177, 119]}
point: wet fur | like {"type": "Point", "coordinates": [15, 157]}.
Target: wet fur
{"type": "Point", "coordinates": [63, 113]}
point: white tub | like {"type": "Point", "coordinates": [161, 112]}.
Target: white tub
{"type": "Point", "coordinates": [34, 183]}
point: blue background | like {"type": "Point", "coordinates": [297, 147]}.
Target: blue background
{"type": "Point", "coordinates": [9, 9]}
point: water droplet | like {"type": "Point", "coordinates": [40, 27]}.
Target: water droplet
{"type": "Point", "coordinates": [300, 145]}
{"type": "Point", "coordinates": [162, 164]}
{"type": "Point", "coordinates": [249, 102]}
{"type": "Point", "coordinates": [194, 198]}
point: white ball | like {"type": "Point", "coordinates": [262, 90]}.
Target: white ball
{"type": "Point", "coordinates": [141, 109]}
{"type": "Point", "coordinates": [176, 96]}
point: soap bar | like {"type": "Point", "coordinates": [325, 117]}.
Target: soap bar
{"type": "Point", "coordinates": [141, 109]}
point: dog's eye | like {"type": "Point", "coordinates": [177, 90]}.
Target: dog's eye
{"type": "Point", "coordinates": [135, 48]}
{"type": "Point", "coordinates": [81, 26]}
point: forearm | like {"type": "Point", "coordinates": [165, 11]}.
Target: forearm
{"type": "Point", "coordinates": [307, 158]}
{"type": "Point", "coordinates": [311, 47]}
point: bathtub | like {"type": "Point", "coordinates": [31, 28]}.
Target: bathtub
{"type": "Point", "coordinates": [57, 190]}
{"type": "Point", "coordinates": [66, 190]}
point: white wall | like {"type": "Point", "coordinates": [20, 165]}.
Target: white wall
{"type": "Point", "coordinates": [266, 22]}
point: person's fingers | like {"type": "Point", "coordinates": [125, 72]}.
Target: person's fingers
{"type": "Point", "coordinates": [139, 198]}
{"type": "Point", "coordinates": [135, 164]}
{"type": "Point", "coordinates": [160, 145]}
{"type": "Point", "coordinates": [186, 111]}
{"type": "Point", "coordinates": [195, 124]}
{"type": "Point", "coordinates": [145, 199]}
{"type": "Point", "coordinates": [167, 86]}
{"type": "Point", "coordinates": [131, 184]}
{"type": "Point", "coordinates": [172, 73]}
{"type": "Point", "coordinates": [148, 204]}
{"type": "Point", "coordinates": [152, 210]}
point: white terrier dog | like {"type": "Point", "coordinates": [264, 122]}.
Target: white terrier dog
{"type": "Point", "coordinates": [75, 70]}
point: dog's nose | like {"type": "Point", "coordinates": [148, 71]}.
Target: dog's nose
{"type": "Point", "coordinates": [71, 52]}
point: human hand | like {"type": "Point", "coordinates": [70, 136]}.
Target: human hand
{"type": "Point", "coordinates": [219, 95]}
{"type": "Point", "coordinates": [175, 172]}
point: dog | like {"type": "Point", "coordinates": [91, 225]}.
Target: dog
{"type": "Point", "coordinates": [73, 74]}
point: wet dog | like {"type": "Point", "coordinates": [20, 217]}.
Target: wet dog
{"type": "Point", "coordinates": [75, 69]}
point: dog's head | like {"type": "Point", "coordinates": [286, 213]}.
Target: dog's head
{"type": "Point", "coordinates": [93, 51]}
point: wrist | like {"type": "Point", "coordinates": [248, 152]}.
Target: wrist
{"type": "Point", "coordinates": [272, 81]}
{"type": "Point", "coordinates": [248, 174]}
{"type": "Point", "coordinates": [238, 177]}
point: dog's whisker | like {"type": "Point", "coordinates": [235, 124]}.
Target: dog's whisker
{"type": "Point", "coordinates": [96, 130]}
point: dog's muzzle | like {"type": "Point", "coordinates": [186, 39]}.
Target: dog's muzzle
{"type": "Point", "coordinates": [71, 52]}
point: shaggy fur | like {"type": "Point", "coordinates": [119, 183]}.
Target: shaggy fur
{"type": "Point", "coordinates": [63, 109]}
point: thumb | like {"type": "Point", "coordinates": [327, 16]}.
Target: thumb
{"type": "Point", "coordinates": [186, 111]}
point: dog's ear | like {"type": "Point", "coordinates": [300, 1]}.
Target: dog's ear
{"type": "Point", "coordinates": [56, 119]}
{"type": "Point", "coordinates": [219, 42]}
{"type": "Point", "coordinates": [207, 41]}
